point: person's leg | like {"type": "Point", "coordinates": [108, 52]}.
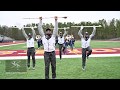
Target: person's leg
{"type": "Point", "coordinates": [71, 46]}
{"type": "Point", "coordinates": [66, 46]}
{"type": "Point", "coordinates": [38, 45]}
{"type": "Point", "coordinates": [53, 64]}
{"type": "Point", "coordinates": [56, 42]}
{"type": "Point", "coordinates": [89, 49]}
{"type": "Point", "coordinates": [47, 64]}
{"type": "Point", "coordinates": [28, 60]}
{"type": "Point", "coordinates": [83, 58]}
{"type": "Point", "coordinates": [33, 57]}
{"type": "Point", "coordinates": [64, 49]}
{"type": "Point", "coordinates": [60, 51]}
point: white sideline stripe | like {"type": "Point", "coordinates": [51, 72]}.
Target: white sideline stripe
{"type": "Point", "coordinates": [57, 56]}
{"type": "Point", "coordinates": [11, 44]}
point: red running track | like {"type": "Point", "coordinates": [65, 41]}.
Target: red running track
{"type": "Point", "coordinates": [76, 51]}
{"type": "Point", "coordinates": [40, 52]}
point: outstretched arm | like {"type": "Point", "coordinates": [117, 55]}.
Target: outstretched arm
{"type": "Point", "coordinates": [80, 32]}
{"type": "Point", "coordinates": [55, 31]}
{"type": "Point", "coordinates": [33, 32]}
{"type": "Point", "coordinates": [40, 29]}
{"type": "Point", "coordinates": [93, 33]}
{"type": "Point", "coordinates": [65, 32]}
{"type": "Point", "coordinates": [24, 33]}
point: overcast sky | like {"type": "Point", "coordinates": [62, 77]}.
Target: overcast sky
{"type": "Point", "coordinates": [11, 18]}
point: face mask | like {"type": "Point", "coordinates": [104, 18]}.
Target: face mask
{"type": "Point", "coordinates": [48, 36]}
{"type": "Point", "coordinates": [86, 38]}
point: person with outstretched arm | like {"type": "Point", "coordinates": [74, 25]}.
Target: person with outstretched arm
{"type": "Point", "coordinates": [48, 39]}
{"type": "Point", "coordinates": [85, 44]}
{"type": "Point", "coordinates": [61, 41]}
{"type": "Point", "coordinates": [30, 47]}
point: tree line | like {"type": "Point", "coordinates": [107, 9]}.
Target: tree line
{"type": "Point", "coordinates": [108, 30]}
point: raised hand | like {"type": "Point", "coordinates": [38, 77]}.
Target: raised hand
{"type": "Point", "coordinates": [81, 27]}
{"type": "Point", "coordinates": [40, 18]}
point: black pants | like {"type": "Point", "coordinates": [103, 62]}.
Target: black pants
{"type": "Point", "coordinates": [31, 52]}
{"type": "Point", "coordinates": [61, 49]}
{"type": "Point", "coordinates": [38, 45]}
{"type": "Point", "coordinates": [50, 57]}
{"type": "Point", "coordinates": [85, 51]}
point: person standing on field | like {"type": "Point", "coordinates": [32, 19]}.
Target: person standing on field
{"type": "Point", "coordinates": [85, 42]}
{"type": "Point", "coordinates": [30, 47]}
{"type": "Point", "coordinates": [48, 40]}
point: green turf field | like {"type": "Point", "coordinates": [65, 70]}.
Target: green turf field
{"type": "Point", "coordinates": [94, 44]}
{"type": "Point", "coordinates": [97, 68]}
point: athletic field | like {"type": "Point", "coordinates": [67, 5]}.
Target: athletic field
{"type": "Point", "coordinates": [69, 67]}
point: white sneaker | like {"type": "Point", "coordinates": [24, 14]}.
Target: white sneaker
{"type": "Point", "coordinates": [33, 68]}
{"type": "Point", "coordinates": [83, 68]}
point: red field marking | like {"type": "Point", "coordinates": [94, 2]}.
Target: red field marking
{"type": "Point", "coordinates": [9, 43]}
{"type": "Point", "coordinates": [39, 52]}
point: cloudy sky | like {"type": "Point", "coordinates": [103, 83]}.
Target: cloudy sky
{"type": "Point", "coordinates": [11, 18]}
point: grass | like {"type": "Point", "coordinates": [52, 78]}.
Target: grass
{"type": "Point", "coordinates": [100, 44]}
{"type": "Point", "coordinates": [94, 44]}
{"type": "Point", "coordinates": [97, 68]}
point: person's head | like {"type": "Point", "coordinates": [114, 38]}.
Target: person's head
{"type": "Point", "coordinates": [60, 33]}
{"type": "Point", "coordinates": [48, 31]}
{"type": "Point", "coordinates": [86, 35]}
{"type": "Point", "coordinates": [29, 35]}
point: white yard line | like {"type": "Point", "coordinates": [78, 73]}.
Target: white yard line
{"type": "Point", "coordinates": [57, 56]}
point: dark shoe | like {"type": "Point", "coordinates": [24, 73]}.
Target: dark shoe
{"type": "Point", "coordinates": [53, 78]}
